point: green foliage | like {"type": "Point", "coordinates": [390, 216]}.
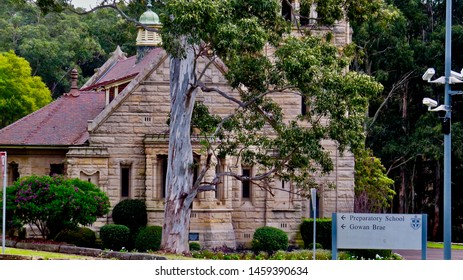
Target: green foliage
{"type": "Point", "coordinates": [20, 92]}
{"type": "Point", "coordinates": [14, 225]}
{"type": "Point", "coordinates": [55, 203]}
{"type": "Point", "coordinates": [58, 40]}
{"type": "Point", "coordinates": [230, 27]}
{"type": "Point", "coordinates": [373, 192]}
{"type": "Point", "coordinates": [329, 11]}
{"type": "Point", "coordinates": [195, 246]}
{"type": "Point", "coordinates": [115, 237]}
{"type": "Point", "coordinates": [269, 239]}
{"type": "Point", "coordinates": [131, 213]}
{"type": "Point", "coordinates": [323, 235]}
{"type": "Point", "coordinates": [317, 70]}
{"type": "Point", "coordinates": [148, 239]}
{"type": "Point", "coordinates": [202, 120]}
{"type": "Point", "coordinates": [82, 237]}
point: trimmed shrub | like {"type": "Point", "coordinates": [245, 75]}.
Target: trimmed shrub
{"type": "Point", "coordinates": [115, 237]}
{"type": "Point", "coordinates": [82, 237]}
{"type": "Point", "coordinates": [323, 233]}
{"type": "Point", "coordinates": [149, 239]}
{"type": "Point", "coordinates": [269, 239]}
{"type": "Point", "coordinates": [195, 246]}
{"type": "Point", "coordinates": [131, 213]}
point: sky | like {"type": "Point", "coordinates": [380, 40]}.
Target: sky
{"type": "Point", "coordinates": [85, 3]}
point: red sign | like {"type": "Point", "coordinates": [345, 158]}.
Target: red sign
{"type": "Point", "coordinates": [3, 157]}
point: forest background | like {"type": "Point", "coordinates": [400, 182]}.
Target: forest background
{"type": "Point", "coordinates": [395, 45]}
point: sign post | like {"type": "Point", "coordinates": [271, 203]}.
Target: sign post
{"type": "Point", "coordinates": [379, 231]}
{"type": "Point", "coordinates": [313, 197]}
{"type": "Point", "coordinates": [4, 162]}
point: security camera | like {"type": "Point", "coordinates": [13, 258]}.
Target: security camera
{"type": "Point", "coordinates": [456, 75]}
{"type": "Point", "coordinates": [431, 103]}
{"type": "Point", "coordinates": [429, 74]}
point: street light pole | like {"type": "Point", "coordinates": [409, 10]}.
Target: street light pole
{"type": "Point", "coordinates": [448, 136]}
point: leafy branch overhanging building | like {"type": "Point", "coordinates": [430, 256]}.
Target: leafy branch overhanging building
{"type": "Point", "coordinates": [113, 132]}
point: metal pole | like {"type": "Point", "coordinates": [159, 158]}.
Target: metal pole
{"type": "Point", "coordinates": [448, 136]}
{"type": "Point", "coordinates": [4, 161]}
{"type": "Point", "coordinates": [313, 194]}
{"type": "Point", "coordinates": [334, 236]}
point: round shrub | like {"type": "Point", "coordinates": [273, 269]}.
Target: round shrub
{"type": "Point", "coordinates": [269, 239]}
{"type": "Point", "coordinates": [131, 213]}
{"type": "Point", "coordinates": [195, 246]}
{"type": "Point", "coordinates": [323, 226]}
{"type": "Point", "coordinates": [149, 239]}
{"type": "Point", "coordinates": [82, 237]}
{"type": "Point", "coordinates": [114, 237]}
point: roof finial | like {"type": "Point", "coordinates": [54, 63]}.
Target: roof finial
{"type": "Point", "coordinates": [149, 4]}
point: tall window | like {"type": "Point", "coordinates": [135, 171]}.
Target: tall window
{"type": "Point", "coordinates": [125, 180]}
{"type": "Point", "coordinates": [219, 186]}
{"type": "Point", "coordinates": [303, 106]}
{"type": "Point", "coordinates": [246, 185]}
{"type": "Point", "coordinates": [13, 172]}
{"type": "Point", "coordinates": [56, 169]}
{"type": "Point", "coordinates": [164, 163]}
{"type": "Point", "coordinates": [162, 172]}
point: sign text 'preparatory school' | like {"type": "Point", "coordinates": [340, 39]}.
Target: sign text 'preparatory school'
{"type": "Point", "coordinates": [379, 231]}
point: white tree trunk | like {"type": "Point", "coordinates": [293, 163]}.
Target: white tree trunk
{"type": "Point", "coordinates": [179, 179]}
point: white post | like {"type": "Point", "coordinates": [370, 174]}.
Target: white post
{"type": "Point", "coordinates": [4, 161]}
{"type": "Point", "coordinates": [313, 197]}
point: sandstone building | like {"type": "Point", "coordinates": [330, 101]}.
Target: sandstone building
{"type": "Point", "coordinates": [113, 132]}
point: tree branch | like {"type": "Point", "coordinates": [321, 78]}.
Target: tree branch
{"type": "Point", "coordinates": [403, 80]}
{"type": "Point", "coordinates": [115, 7]}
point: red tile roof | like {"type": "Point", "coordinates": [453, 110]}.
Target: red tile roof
{"type": "Point", "coordinates": [61, 123]}
{"type": "Point", "coordinates": [64, 121]}
{"type": "Point", "coordinates": [124, 68]}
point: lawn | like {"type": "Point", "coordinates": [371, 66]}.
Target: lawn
{"type": "Point", "coordinates": [44, 255]}
{"type": "Point", "coordinates": [59, 256]}
{"type": "Point", "coordinates": [440, 245]}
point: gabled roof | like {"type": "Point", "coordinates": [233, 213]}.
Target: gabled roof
{"type": "Point", "coordinates": [64, 122]}
{"type": "Point", "coordinates": [121, 68]}
{"type": "Point", "coordinates": [151, 62]}
{"type": "Point", "coordinates": [61, 123]}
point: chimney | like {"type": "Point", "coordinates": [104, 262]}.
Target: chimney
{"type": "Point", "coordinates": [74, 89]}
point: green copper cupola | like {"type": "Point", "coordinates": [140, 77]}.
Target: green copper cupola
{"type": "Point", "coordinates": [148, 39]}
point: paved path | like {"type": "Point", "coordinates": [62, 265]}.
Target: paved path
{"type": "Point", "coordinates": [432, 254]}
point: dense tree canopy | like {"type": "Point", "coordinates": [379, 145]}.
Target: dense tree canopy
{"type": "Point", "coordinates": [397, 47]}
{"type": "Point", "coordinates": [55, 43]}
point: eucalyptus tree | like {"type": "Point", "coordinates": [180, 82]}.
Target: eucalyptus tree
{"type": "Point", "coordinates": [235, 32]}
